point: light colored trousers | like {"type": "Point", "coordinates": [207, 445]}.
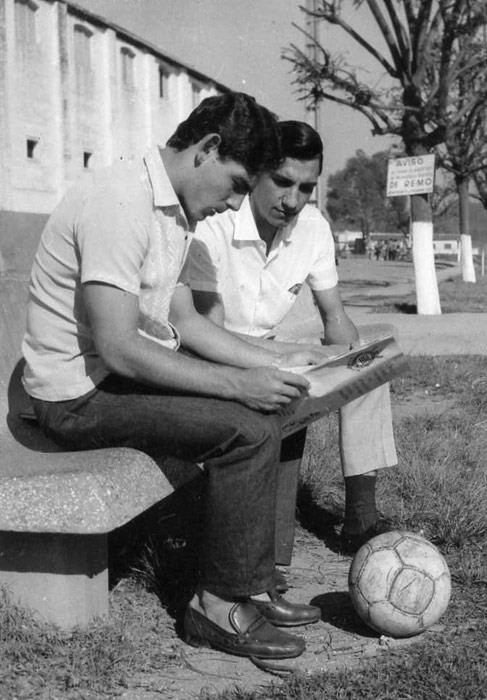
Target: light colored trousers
{"type": "Point", "coordinates": [366, 443]}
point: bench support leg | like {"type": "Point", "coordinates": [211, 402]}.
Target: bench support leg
{"type": "Point", "coordinates": [61, 577]}
{"type": "Point", "coordinates": [287, 489]}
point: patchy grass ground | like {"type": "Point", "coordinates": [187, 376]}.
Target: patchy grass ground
{"type": "Point", "coordinates": [441, 488]}
{"type": "Point", "coordinates": [455, 296]}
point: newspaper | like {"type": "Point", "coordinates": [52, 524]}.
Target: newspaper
{"type": "Point", "coordinates": [342, 378]}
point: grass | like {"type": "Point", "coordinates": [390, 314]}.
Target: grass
{"type": "Point", "coordinates": [440, 488]}
{"type": "Point", "coordinates": [40, 661]}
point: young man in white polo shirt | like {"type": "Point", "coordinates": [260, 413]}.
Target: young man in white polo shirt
{"type": "Point", "coordinates": [246, 269]}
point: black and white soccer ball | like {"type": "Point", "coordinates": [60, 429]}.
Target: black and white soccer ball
{"type": "Point", "coordinates": [399, 583]}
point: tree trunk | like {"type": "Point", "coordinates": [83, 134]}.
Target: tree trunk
{"type": "Point", "coordinates": [427, 295]}
{"type": "Point", "coordinates": [466, 257]}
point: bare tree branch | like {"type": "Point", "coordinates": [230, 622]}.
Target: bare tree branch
{"type": "Point", "coordinates": [333, 18]}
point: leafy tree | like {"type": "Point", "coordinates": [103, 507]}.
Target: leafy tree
{"type": "Point", "coordinates": [421, 67]}
{"type": "Point", "coordinates": [464, 152]}
{"type": "Point", "coordinates": [356, 196]}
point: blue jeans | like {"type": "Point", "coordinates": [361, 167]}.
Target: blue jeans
{"type": "Point", "coordinates": [240, 450]}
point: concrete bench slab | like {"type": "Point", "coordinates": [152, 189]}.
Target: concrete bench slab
{"type": "Point", "coordinates": [57, 507]}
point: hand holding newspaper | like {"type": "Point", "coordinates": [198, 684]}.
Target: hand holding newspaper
{"type": "Point", "coordinates": [340, 379]}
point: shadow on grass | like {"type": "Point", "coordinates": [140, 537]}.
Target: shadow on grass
{"type": "Point", "coordinates": [406, 308]}
{"type": "Point", "coordinates": [318, 520]}
{"type": "Point", "coordinates": [389, 306]}
{"type": "Point", "coordinates": [337, 609]}
{"type": "Point", "coordinates": [159, 549]}
{"type": "Point", "coordinates": [357, 283]}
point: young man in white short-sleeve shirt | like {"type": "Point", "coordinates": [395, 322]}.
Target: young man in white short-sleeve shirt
{"type": "Point", "coordinates": [246, 269]}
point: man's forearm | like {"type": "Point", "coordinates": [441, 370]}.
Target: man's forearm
{"type": "Point", "coordinates": [278, 346]}
{"type": "Point", "coordinates": [113, 315]}
{"type": "Point", "coordinates": [210, 341]}
{"type": "Point", "coordinates": [340, 331]}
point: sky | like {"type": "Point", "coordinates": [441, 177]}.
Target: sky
{"type": "Point", "coordinates": [239, 43]}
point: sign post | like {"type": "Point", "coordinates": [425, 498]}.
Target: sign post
{"type": "Point", "coordinates": [410, 175]}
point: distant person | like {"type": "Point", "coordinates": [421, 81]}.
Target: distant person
{"type": "Point", "coordinates": [336, 245]}
{"type": "Point", "coordinates": [246, 270]}
{"type": "Point", "coordinates": [106, 316]}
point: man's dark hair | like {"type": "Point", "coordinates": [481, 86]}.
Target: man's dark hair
{"type": "Point", "coordinates": [247, 130]}
{"type": "Point", "coordinates": [299, 140]}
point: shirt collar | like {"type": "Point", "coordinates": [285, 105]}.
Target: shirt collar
{"type": "Point", "coordinates": [163, 191]}
{"type": "Point", "coordinates": [286, 232]}
{"type": "Point", "coordinates": [246, 228]}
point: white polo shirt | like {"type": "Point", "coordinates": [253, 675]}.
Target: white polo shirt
{"type": "Point", "coordinates": [125, 228]}
{"type": "Point", "coordinates": [228, 256]}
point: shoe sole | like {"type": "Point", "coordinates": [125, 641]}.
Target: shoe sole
{"type": "Point", "coordinates": [292, 624]}
{"type": "Point", "coordinates": [205, 643]}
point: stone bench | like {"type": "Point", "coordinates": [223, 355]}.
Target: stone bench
{"type": "Point", "coordinates": [56, 507]}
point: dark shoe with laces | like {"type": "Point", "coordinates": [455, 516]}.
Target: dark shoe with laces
{"type": "Point", "coordinates": [254, 635]}
{"type": "Point", "coordinates": [351, 543]}
{"type": "Point", "coordinates": [282, 613]}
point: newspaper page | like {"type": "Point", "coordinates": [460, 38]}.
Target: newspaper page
{"type": "Point", "coordinates": [343, 378]}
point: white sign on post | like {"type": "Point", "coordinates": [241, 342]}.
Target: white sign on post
{"type": "Point", "coordinates": [411, 175]}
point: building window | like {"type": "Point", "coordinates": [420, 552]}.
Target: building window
{"type": "Point", "coordinates": [86, 159]}
{"type": "Point", "coordinates": [195, 94]}
{"type": "Point", "coordinates": [31, 147]}
{"type": "Point", "coordinates": [82, 46]}
{"type": "Point", "coordinates": [127, 68]}
{"type": "Point", "coordinates": [82, 57]}
{"type": "Point", "coordinates": [25, 25]}
{"type": "Point", "coordinates": [448, 246]}
{"type": "Point", "coordinates": [163, 83]}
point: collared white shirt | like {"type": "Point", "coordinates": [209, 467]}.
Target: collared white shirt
{"type": "Point", "coordinates": [125, 228]}
{"type": "Point", "coordinates": [228, 256]}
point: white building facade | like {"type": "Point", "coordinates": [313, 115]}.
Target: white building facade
{"type": "Point", "coordinates": [77, 93]}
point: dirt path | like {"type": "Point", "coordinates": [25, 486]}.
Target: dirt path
{"type": "Point", "coordinates": [364, 282]}
{"type": "Point", "coordinates": [319, 576]}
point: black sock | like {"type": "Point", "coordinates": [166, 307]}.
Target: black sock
{"type": "Point", "coordinates": [360, 508]}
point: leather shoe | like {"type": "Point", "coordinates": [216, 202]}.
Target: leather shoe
{"type": "Point", "coordinates": [351, 543]}
{"type": "Point", "coordinates": [282, 613]}
{"type": "Point", "coordinates": [254, 636]}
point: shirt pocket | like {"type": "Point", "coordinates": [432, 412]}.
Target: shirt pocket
{"type": "Point", "coordinates": [275, 300]}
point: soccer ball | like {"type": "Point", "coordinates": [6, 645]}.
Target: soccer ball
{"type": "Point", "coordinates": [399, 584]}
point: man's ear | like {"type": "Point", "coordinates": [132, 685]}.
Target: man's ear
{"type": "Point", "coordinates": [207, 146]}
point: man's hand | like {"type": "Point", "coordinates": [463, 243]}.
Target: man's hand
{"type": "Point", "coordinates": [269, 389]}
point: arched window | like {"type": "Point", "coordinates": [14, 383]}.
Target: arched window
{"type": "Point", "coordinates": [196, 95]}
{"type": "Point", "coordinates": [82, 46]}
{"type": "Point", "coordinates": [127, 57]}
{"type": "Point", "coordinates": [163, 82]}
{"type": "Point", "coordinates": [25, 25]}
{"type": "Point", "coordinates": [83, 62]}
